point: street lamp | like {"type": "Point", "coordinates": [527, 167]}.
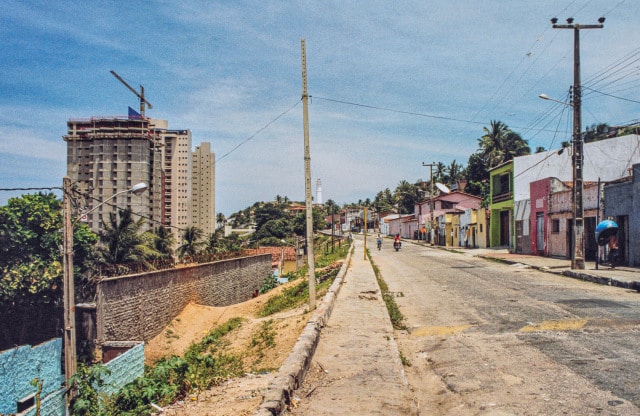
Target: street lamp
{"type": "Point", "coordinates": [546, 97]}
{"type": "Point", "coordinates": [70, 359]}
{"type": "Point", "coordinates": [577, 252]}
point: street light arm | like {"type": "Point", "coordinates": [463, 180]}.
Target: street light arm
{"type": "Point", "coordinates": [136, 189]}
{"type": "Point", "coordinates": [546, 97]}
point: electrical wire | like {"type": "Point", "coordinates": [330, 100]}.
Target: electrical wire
{"type": "Point", "coordinates": [107, 203]}
{"type": "Point", "coordinates": [411, 113]}
{"type": "Point", "coordinates": [258, 131]}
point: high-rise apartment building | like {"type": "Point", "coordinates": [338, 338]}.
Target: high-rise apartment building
{"type": "Point", "coordinates": [176, 174]}
{"type": "Point", "coordinates": [107, 155]}
{"type": "Point", "coordinates": [204, 189]}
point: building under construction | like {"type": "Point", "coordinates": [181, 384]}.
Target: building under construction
{"type": "Point", "coordinates": [108, 155]}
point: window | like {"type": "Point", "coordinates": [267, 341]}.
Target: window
{"type": "Point", "coordinates": [555, 226]}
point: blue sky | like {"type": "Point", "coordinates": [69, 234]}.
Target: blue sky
{"type": "Point", "coordinates": [231, 73]}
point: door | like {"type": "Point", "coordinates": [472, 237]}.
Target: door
{"type": "Point", "coordinates": [504, 228]}
{"type": "Point", "coordinates": [519, 236]}
{"type": "Point", "coordinates": [540, 237]}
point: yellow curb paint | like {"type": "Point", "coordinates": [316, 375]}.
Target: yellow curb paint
{"type": "Point", "coordinates": [563, 325]}
{"type": "Point", "coordinates": [430, 331]}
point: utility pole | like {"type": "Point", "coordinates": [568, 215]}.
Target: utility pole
{"type": "Point", "coordinates": [432, 204]}
{"type": "Point", "coordinates": [577, 251]}
{"type": "Point", "coordinates": [307, 182]}
{"type": "Point", "coordinates": [365, 234]}
{"type": "Point", "coordinates": [68, 290]}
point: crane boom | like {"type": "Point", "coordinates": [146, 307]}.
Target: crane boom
{"type": "Point", "coordinates": [140, 94]}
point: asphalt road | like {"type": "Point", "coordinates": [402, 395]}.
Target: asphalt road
{"type": "Point", "coordinates": [488, 338]}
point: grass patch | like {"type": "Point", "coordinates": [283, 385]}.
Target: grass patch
{"type": "Point", "coordinates": [327, 268]}
{"type": "Point", "coordinates": [169, 379]}
{"type": "Point", "coordinates": [397, 319]}
{"type": "Point", "coordinates": [405, 361]}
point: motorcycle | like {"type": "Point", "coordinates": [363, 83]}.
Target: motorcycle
{"type": "Point", "coordinates": [379, 244]}
{"type": "Point", "coordinates": [397, 245]}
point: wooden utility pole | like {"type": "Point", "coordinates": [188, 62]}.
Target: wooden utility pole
{"type": "Point", "coordinates": [365, 233]}
{"type": "Point", "coordinates": [577, 252]}
{"type": "Point", "coordinates": [307, 182]}
{"type": "Point", "coordinates": [432, 204]}
{"type": "Point", "coordinates": [68, 289]}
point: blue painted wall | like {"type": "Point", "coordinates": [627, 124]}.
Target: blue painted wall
{"type": "Point", "coordinates": [18, 366]}
{"type": "Point", "coordinates": [124, 369]}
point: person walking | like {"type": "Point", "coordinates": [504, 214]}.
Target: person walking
{"type": "Point", "coordinates": [614, 251]}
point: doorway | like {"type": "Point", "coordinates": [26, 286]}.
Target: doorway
{"type": "Point", "coordinates": [505, 228]}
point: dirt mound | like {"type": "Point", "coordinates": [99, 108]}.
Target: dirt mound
{"type": "Point", "coordinates": [240, 396]}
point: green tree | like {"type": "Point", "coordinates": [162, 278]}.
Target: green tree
{"type": "Point", "coordinates": [455, 172]}
{"type": "Point", "coordinates": [191, 242]}
{"type": "Point", "coordinates": [499, 144]}
{"type": "Point", "coordinates": [268, 212]}
{"type": "Point", "coordinates": [331, 207]}
{"type": "Point", "coordinates": [275, 228]}
{"type": "Point", "coordinates": [440, 173]}
{"type": "Point", "coordinates": [31, 267]}
{"type": "Point", "coordinates": [300, 222]}
{"type": "Point", "coordinates": [220, 220]}
{"type": "Point", "coordinates": [164, 241]}
{"type": "Point", "coordinates": [407, 196]}
{"type": "Point", "coordinates": [477, 176]}
{"type": "Point", "coordinates": [125, 241]}
{"type": "Point", "coordinates": [383, 202]}
{"type": "Point", "coordinates": [596, 132]}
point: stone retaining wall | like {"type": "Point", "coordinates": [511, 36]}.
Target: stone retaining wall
{"type": "Point", "coordinates": [137, 307]}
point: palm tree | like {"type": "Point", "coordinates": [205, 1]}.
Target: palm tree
{"type": "Point", "coordinates": [499, 144]}
{"type": "Point", "coordinates": [213, 243]}
{"type": "Point", "coordinates": [122, 241]}
{"type": "Point", "coordinates": [191, 242]}
{"type": "Point", "coordinates": [440, 173]}
{"type": "Point", "coordinates": [220, 219]}
{"type": "Point", "coordinates": [455, 172]}
{"type": "Point", "coordinates": [164, 241]}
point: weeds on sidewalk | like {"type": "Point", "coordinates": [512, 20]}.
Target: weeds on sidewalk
{"type": "Point", "coordinates": [397, 318]}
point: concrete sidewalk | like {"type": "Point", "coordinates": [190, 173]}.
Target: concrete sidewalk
{"type": "Point", "coordinates": [356, 367]}
{"type": "Point", "coordinates": [624, 277]}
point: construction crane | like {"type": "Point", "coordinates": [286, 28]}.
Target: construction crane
{"type": "Point", "coordinates": [140, 94]}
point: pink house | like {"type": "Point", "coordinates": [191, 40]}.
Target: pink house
{"type": "Point", "coordinates": [539, 215]}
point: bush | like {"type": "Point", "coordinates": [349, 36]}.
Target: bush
{"type": "Point", "coordinates": [269, 282]}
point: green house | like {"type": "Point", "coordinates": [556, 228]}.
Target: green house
{"type": "Point", "coordinates": [501, 231]}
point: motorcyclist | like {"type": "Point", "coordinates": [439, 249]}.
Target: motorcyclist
{"type": "Point", "coordinates": [396, 241]}
{"type": "Point", "coordinates": [379, 241]}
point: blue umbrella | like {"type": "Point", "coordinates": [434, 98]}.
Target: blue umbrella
{"type": "Point", "coordinates": [604, 230]}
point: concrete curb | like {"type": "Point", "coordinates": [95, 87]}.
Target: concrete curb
{"type": "Point", "coordinates": [292, 372]}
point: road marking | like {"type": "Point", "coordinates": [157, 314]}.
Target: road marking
{"type": "Point", "coordinates": [562, 325]}
{"type": "Point", "coordinates": [430, 331]}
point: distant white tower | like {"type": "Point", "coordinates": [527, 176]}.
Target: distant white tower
{"type": "Point", "coordinates": [319, 192]}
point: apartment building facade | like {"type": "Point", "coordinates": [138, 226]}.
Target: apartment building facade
{"type": "Point", "coordinates": [204, 188]}
{"type": "Point", "coordinates": [108, 155]}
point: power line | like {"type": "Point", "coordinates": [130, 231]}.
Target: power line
{"type": "Point", "coordinates": [611, 95]}
{"type": "Point", "coordinates": [258, 131]}
{"type": "Point", "coordinates": [112, 205]}
{"type": "Point", "coordinates": [411, 113]}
